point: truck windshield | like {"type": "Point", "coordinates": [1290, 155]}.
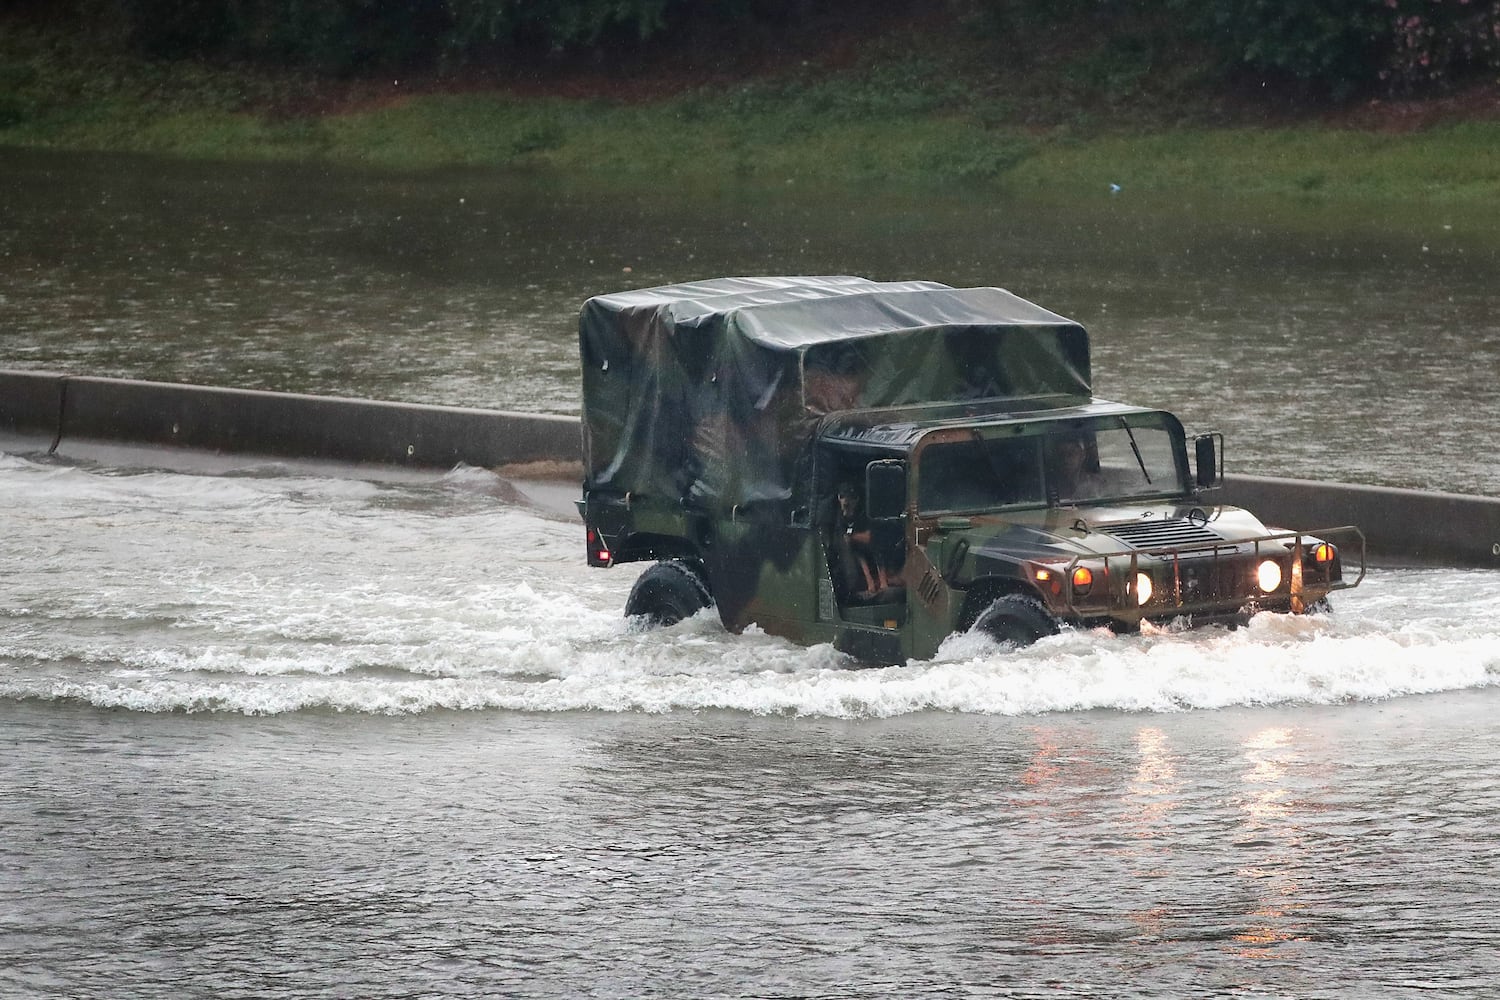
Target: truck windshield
{"type": "Point", "coordinates": [1069, 462]}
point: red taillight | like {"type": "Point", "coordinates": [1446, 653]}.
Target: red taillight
{"type": "Point", "coordinates": [598, 550]}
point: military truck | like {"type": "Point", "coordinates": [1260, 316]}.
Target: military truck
{"type": "Point", "coordinates": [878, 465]}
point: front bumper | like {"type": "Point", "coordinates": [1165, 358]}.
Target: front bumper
{"type": "Point", "coordinates": [1217, 581]}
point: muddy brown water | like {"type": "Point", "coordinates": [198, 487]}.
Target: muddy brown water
{"type": "Point", "coordinates": [267, 733]}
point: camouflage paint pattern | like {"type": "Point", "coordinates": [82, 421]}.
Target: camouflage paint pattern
{"type": "Point", "coordinates": [719, 417]}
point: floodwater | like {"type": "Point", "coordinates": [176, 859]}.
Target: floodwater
{"type": "Point", "coordinates": [273, 733]}
{"type": "Point", "coordinates": [1326, 342]}
{"type": "Point", "coordinates": [270, 735]}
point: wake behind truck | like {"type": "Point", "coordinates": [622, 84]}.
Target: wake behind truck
{"type": "Point", "coordinates": [878, 465]}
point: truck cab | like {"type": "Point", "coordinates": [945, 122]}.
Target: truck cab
{"type": "Point", "coordinates": [880, 465]}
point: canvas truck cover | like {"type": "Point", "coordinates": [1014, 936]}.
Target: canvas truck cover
{"type": "Point", "coordinates": [711, 391]}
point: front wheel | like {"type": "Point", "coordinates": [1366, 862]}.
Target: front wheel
{"type": "Point", "coordinates": [1015, 620]}
{"type": "Point", "coordinates": [667, 593]}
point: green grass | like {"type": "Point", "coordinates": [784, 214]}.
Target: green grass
{"type": "Point", "coordinates": [904, 119]}
{"type": "Point", "coordinates": [1449, 163]}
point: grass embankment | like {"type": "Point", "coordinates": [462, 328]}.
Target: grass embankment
{"type": "Point", "coordinates": [894, 118]}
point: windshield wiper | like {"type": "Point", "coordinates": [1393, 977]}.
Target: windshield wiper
{"type": "Point", "coordinates": [1137, 449]}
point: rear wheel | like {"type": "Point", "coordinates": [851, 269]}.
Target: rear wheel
{"type": "Point", "coordinates": [667, 593]}
{"type": "Point", "coordinates": [1015, 620]}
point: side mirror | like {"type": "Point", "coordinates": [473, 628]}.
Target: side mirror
{"type": "Point", "coordinates": [885, 489]}
{"type": "Point", "coordinates": [1207, 449]}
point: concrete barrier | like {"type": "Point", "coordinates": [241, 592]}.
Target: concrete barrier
{"type": "Point", "coordinates": [1404, 526]}
{"type": "Point", "coordinates": [31, 403]}
{"type": "Point", "coordinates": [52, 412]}
{"type": "Point", "coordinates": [284, 425]}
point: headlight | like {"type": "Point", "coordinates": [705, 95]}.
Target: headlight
{"type": "Point", "coordinates": [1142, 588]}
{"type": "Point", "coordinates": [1268, 575]}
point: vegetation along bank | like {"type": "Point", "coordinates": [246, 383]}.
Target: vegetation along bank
{"type": "Point", "coordinates": [1370, 99]}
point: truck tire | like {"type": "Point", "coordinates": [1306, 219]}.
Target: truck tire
{"type": "Point", "coordinates": [667, 593]}
{"type": "Point", "coordinates": [1015, 620]}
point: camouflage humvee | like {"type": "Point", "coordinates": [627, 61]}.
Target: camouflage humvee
{"type": "Point", "coordinates": [879, 465]}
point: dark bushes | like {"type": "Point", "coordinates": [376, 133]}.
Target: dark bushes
{"type": "Point", "coordinates": [1353, 46]}
{"type": "Point", "coordinates": [1336, 47]}
{"type": "Point", "coordinates": [357, 35]}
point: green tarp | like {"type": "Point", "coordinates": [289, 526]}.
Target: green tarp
{"type": "Point", "coordinates": [710, 391]}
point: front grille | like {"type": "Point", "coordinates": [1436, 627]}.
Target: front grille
{"type": "Point", "coordinates": [1211, 573]}
{"type": "Point", "coordinates": [1172, 533]}
{"type": "Point", "coordinates": [1213, 581]}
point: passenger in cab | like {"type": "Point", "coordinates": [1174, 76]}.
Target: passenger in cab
{"type": "Point", "coordinates": [864, 577]}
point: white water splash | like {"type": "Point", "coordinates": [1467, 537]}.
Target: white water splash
{"type": "Point", "coordinates": [266, 594]}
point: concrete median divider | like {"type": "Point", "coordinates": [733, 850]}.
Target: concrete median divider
{"type": "Point", "coordinates": [283, 425]}
{"type": "Point", "coordinates": [31, 404]}
{"type": "Point", "coordinates": [1406, 526]}
{"type": "Point", "coordinates": [49, 411]}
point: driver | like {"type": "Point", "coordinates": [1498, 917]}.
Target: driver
{"type": "Point", "coordinates": [1074, 468]}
